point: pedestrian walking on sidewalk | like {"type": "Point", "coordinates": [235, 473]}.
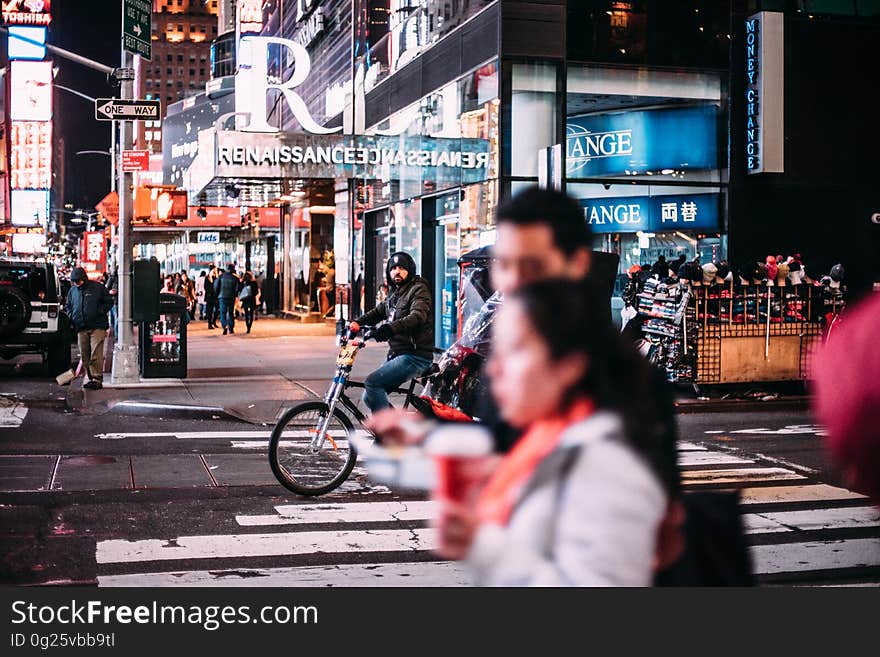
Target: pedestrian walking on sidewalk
{"type": "Point", "coordinates": [188, 292]}
{"type": "Point", "coordinates": [249, 296]}
{"type": "Point", "coordinates": [227, 288]}
{"type": "Point", "coordinates": [200, 293]}
{"type": "Point", "coordinates": [211, 310]}
{"type": "Point", "coordinates": [112, 286]}
{"type": "Point", "coordinates": [87, 306]}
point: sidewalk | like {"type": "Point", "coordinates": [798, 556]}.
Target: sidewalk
{"type": "Point", "coordinates": [255, 377]}
{"type": "Point", "coordinates": [252, 377]}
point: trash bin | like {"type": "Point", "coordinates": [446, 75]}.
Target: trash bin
{"type": "Point", "coordinates": [163, 342]}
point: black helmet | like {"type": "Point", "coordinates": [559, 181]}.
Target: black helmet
{"type": "Point", "coordinates": [400, 259]}
{"type": "Point", "coordinates": [837, 273]}
{"type": "Point", "coordinates": [78, 274]}
{"type": "Point", "coordinates": [723, 268]}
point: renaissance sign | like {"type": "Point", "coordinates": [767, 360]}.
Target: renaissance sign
{"type": "Point", "coordinates": [348, 155]}
{"type": "Point", "coordinates": [765, 128]}
{"type": "Point", "coordinates": [298, 155]}
{"type": "Point", "coordinates": [436, 162]}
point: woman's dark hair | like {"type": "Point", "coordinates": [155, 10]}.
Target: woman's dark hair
{"type": "Point", "coordinates": [571, 319]}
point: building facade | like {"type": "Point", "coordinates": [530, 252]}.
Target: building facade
{"type": "Point", "coordinates": [182, 34]}
{"type": "Point", "coordinates": [639, 109]}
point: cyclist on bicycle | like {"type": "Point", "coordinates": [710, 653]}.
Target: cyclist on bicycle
{"type": "Point", "coordinates": [404, 320]}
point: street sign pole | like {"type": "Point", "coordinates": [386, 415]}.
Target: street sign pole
{"type": "Point", "coordinates": [125, 354]}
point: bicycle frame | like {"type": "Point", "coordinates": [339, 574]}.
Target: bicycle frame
{"type": "Point", "coordinates": [348, 351]}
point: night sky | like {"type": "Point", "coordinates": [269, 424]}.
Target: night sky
{"type": "Point", "coordinates": [90, 28]}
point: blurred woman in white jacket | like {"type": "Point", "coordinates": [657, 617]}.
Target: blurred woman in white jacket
{"type": "Point", "coordinates": [580, 499]}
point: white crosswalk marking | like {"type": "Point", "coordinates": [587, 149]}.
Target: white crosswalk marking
{"type": "Point", "coordinates": [798, 528]}
{"type": "Point", "coordinates": [426, 573]}
{"type": "Point", "coordinates": [12, 412]}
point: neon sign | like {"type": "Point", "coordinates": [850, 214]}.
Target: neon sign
{"type": "Point", "coordinates": [31, 96]}
{"type": "Point", "coordinates": [30, 155]}
{"type": "Point", "coordinates": [27, 12]}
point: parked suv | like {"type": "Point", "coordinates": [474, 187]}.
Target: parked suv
{"type": "Point", "coordinates": [31, 313]}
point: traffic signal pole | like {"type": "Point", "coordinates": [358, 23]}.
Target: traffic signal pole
{"type": "Point", "coordinates": [125, 353]}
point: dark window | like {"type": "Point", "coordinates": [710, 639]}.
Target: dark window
{"type": "Point", "coordinates": [646, 32]}
{"type": "Point", "coordinates": [201, 71]}
{"type": "Point", "coordinates": [180, 58]}
{"type": "Point", "coordinates": [168, 71]}
{"type": "Point", "coordinates": [192, 71]}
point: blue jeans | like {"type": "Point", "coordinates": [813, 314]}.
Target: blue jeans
{"type": "Point", "coordinates": [389, 376]}
{"type": "Point", "coordinates": [227, 313]}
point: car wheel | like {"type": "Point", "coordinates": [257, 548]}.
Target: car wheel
{"type": "Point", "coordinates": [15, 311]}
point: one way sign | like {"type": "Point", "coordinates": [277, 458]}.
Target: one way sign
{"type": "Point", "coordinates": [113, 109]}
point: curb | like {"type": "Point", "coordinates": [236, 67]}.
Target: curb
{"type": "Point", "coordinates": [742, 405]}
{"type": "Point", "coordinates": [182, 411]}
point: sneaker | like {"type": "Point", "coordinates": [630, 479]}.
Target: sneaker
{"type": "Point", "coordinates": [232, 330]}
{"type": "Point", "coordinates": [225, 331]}
{"type": "Point", "coordinates": [93, 385]}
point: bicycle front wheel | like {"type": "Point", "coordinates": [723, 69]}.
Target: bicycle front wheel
{"type": "Point", "coordinates": [301, 466]}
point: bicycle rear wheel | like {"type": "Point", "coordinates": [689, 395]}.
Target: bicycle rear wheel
{"type": "Point", "coordinates": [299, 467]}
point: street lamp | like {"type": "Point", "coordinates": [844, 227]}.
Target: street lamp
{"type": "Point", "coordinates": [112, 151]}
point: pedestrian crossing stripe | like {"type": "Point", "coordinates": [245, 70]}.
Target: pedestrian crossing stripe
{"type": "Point", "coordinates": [417, 573]}
{"type": "Point", "coordinates": [266, 545]}
{"type": "Point", "coordinates": [394, 538]}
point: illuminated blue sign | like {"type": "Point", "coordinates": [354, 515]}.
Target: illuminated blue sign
{"type": "Point", "coordinates": [18, 48]}
{"type": "Point", "coordinates": [753, 95]}
{"type": "Point", "coordinates": [652, 214]}
{"type": "Point", "coordinates": [644, 140]}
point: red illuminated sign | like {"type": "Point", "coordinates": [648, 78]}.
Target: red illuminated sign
{"type": "Point", "coordinates": [94, 253]}
{"type": "Point", "coordinates": [30, 155]}
{"type": "Point", "coordinates": [135, 161]}
{"type": "Point", "coordinates": [27, 12]}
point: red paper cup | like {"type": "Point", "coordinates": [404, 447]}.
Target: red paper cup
{"type": "Point", "coordinates": [461, 454]}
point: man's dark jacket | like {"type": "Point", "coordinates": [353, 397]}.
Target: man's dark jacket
{"type": "Point", "coordinates": [408, 311]}
{"type": "Point", "coordinates": [112, 285]}
{"type": "Point", "coordinates": [227, 286]}
{"type": "Point", "coordinates": [87, 306]}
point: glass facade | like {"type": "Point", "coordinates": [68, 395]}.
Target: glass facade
{"type": "Point", "coordinates": [434, 214]}
{"type": "Point", "coordinates": [646, 156]}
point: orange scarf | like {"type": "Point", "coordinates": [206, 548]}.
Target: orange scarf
{"type": "Point", "coordinates": [542, 437]}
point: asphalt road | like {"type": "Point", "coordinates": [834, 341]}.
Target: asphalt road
{"type": "Point", "coordinates": [116, 499]}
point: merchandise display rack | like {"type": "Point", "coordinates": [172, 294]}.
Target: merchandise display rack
{"type": "Point", "coordinates": [732, 333]}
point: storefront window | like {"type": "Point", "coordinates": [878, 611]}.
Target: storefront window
{"type": "Point", "coordinates": [642, 222]}
{"type": "Point", "coordinates": [533, 115]}
{"type": "Point", "coordinates": [464, 221]}
{"type": "Point", "coordinates": [645, 124]}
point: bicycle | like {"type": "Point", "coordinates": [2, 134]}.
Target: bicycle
{"type": "Point", "coordinates": [309, 451]}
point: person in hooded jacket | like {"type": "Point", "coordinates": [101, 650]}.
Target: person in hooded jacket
{"type": "Point", "coordinates": [87, 305]}
{"type": "Point", "coordinates": [404, 319]}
